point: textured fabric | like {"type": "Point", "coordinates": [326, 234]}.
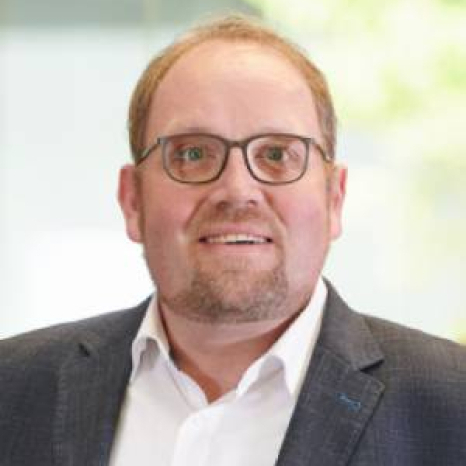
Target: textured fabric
{"type": "Point", "coordinates": [165, 411]}
{"type": "Point", "coordinates": [375, 394]}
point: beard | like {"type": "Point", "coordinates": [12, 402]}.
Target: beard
{"type": "Point", "coordinates": [232, 296]}
{"type": "Point", "coordinates": [236, 292]}
{"type": "Point", "coordinates": [239, 291]}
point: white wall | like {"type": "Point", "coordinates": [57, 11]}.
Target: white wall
{"type": "Point", "coordinates": [64, 97]}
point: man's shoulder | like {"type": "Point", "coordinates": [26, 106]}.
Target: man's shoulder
{"type": "Point", "coordinates": [395, 345]}
{"type": "Point", "coordinates": [388, 350]}
{"type": "Point", "coordinates": [423, 374]}
{"type": "Point", "coordinates": [413, 349]}
{"type": "Point", "coordinates": [47, 347]}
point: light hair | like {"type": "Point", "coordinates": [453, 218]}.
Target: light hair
{"type": "Point", "coordinates": [232, 28]}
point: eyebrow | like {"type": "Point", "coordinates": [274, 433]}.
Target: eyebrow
{"type": "Point", "coordinates": [183, 128]}
{"type": "Point", "coordinates": [208, 130]}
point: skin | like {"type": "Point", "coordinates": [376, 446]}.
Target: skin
{"type": "Point", "coordinates": [225, 305]}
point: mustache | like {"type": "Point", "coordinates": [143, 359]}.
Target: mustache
{"type": "Point", "coordinates": [235, 215]}
{"type": "Point", "coordinates": [231, 214]}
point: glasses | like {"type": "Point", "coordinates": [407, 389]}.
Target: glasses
{"type": "Point", "coordinates": [201, 158]}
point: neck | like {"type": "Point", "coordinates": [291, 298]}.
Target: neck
{"type": "Point", "coordinates": [217, 355]}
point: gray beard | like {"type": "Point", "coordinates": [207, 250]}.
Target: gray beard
{"type": "Point", "coordinates": [231, 297]}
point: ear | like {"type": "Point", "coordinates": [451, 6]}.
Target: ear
{"type": "Point", "coordinates": [129, 198]}
{"type": "Point", "coordinates": [337, 192]}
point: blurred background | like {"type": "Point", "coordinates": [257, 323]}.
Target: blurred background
{"type": "Point", "coordinates": [398, 75]}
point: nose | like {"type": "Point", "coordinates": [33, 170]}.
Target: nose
{"type": "Point", "coordinates": [236, 185]}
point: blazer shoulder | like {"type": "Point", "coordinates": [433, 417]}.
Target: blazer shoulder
{"type": "Point", "coordinates": [413, 349]}
{"type": "Point", "coordinates": [48, 346]}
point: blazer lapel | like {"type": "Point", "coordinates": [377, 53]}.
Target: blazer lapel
{"type": "Point", "coordinates": [91, 389]}
{"type": "Point", "coordinates": [337, 398]}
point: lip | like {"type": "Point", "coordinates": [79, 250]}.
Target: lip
{"type": "Point", "coordinates": [211, 236]}
{"type": "Point", "coordinates": [236, 239]}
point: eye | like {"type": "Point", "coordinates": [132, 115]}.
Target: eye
{"type": "Point", "coordinates": [190, 154]}
{"type": "Point", "coordinates": [275, 154]}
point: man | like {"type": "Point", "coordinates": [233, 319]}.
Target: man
{"type": "Point", "coordinates": [244, 355]}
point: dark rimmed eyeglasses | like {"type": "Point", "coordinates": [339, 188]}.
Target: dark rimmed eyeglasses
{"type": "Point", "coordinates": [274, 158]}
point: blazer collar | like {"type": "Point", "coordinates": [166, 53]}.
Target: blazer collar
{"type": "Point", "coordinates": [346, 334]}
{"type": "Point", "coordinates": [91, 387]}
{"type": "Point", "coordinates": [337, 398]}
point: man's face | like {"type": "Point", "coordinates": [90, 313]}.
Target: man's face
{"type": "Point", "coordinates": [234, 90]}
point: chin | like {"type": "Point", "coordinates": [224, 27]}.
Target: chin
{"type": "Point", "coordinates": [232, 297]}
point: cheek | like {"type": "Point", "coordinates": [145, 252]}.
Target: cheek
{"type": "Point", "coordinates": [309, 227]}
{"type": "Point", "coordinates": [307, 236]}
{"type": "Point", "coordinates": [166, 210]}
{"type": "Point", "coordinates": [162, 224]}
{"type": "Point", "coordinates": [163, 245]}
{"type": "Point", "coordinates": [306, 214]}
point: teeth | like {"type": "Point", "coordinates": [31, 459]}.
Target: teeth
{"type": "Point", "coordinates": [235, 239]}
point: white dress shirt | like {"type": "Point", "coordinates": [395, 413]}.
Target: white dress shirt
{"type": "Point", "coordinates": [166, 419]}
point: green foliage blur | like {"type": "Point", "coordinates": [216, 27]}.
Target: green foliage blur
{"type": "Point", "coordinates": [397, 69]}
{"type": "Point", "coordinates": [387, 62]}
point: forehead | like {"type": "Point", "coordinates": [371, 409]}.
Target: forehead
{"type": "Point", "coordinates": [232, 85]}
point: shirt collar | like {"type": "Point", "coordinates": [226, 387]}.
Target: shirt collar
{"type": "Point", "coordinates": [291, 352]}
{"type": "Point", "coordinates": [295, 347]}
{"type": "Point", "coordinates": [150, 331]}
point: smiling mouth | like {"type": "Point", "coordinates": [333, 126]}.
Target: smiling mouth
{"type": "Point", "coordinates": [236, 239]}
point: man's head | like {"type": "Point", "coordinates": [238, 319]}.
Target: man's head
{"type": "Point", "coordinates": [230, 29]}
{"type": "Point", "coordinates": [234, 249]}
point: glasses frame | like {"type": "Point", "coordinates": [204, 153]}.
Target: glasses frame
{"type": "Point", "coordinates": [230, 144]}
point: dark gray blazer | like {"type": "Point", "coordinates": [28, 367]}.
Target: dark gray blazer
{"type": "Point", "coordinates": [375, 394]}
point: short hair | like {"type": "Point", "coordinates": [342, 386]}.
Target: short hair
{"type": "Point", "coordinates": [232, 28]}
